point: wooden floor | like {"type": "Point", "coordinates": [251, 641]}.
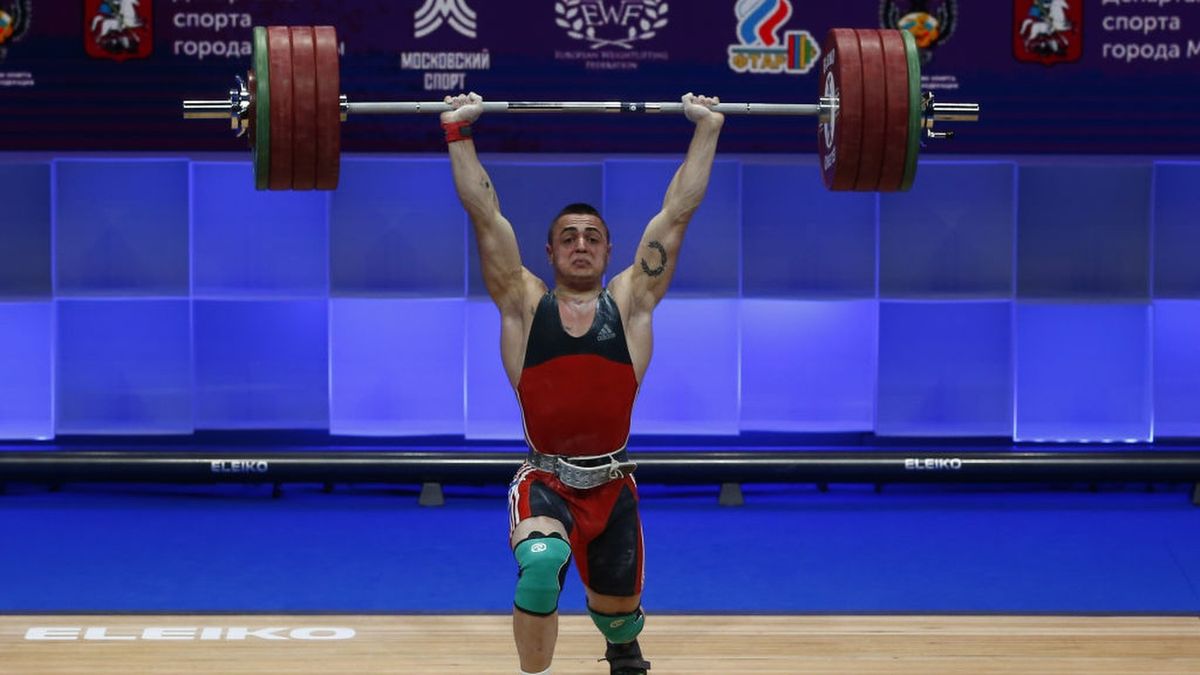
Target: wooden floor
{"type": "Point", "coordinates": [686, 645]}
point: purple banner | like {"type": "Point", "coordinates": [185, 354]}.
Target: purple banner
{"type": "Point", "coordinates": [1052, 76]}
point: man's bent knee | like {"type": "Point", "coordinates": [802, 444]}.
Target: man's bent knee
{"type": "Point", "coordinates": [542, 560]}
{"type": "Point", "coordinates": [619, 628]}
{"type": "Point", "coordinates": [545, 524]}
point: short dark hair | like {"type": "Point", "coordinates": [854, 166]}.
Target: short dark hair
{"type": "Point", "coordinates": [578, 208]}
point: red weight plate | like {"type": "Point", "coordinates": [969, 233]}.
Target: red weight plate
{"type": "Point", "coordinates": [895, 131]}
{"type": "Point", "coordinates": [874, 109]}
{"type": "Point", "coordinates": [279, 50]}
{"type": "Point", "coordinates": [839, 136]}
{"type": "Point", "coordinates": [304, 110]}
{"type": "Point", "coordinates": [329, 107]}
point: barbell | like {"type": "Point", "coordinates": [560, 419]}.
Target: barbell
{"type": "Point", "coordinates": [871, 113]}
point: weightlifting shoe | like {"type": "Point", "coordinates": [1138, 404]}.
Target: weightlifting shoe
{"type": "Point", "coordinates": [625, 659]}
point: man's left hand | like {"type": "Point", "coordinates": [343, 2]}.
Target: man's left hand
{"type": "Point", "coordinates": [699, 109]}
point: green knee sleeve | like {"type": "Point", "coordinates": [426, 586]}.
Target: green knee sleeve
{"type": "Point", "coordinates": [543, 566]}
{"type": "Point", "coordinates": [619, 628]}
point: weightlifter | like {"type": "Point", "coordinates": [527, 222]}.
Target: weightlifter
{"type": "Point", "coordinates": [576, 354]}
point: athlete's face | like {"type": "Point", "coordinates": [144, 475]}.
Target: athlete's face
{"type": "Point", "coordinates": [579, 247]}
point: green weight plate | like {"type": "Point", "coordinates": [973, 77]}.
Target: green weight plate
{"type": "Point", "coordinates": [262, 112]}
{"type": "Point", "coordinates": [914, 109]}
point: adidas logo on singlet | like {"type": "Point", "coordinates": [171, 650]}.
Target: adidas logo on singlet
{"type": "Point", "coordinates": [606, 333]}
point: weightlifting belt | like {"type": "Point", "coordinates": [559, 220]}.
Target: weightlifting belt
{"type": "Point", "coordinates": [583, 473]}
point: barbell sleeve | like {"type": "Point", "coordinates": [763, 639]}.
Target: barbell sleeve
{"type": "Point", "coordinates": [954, 112]}
{"type": "Point", "coordinates": [208, 110]}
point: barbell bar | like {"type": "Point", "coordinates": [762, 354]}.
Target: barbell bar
{"type": "Point", "coordinates": [871, 111]}
{"type": "Point", "coordinates": [221, 109]}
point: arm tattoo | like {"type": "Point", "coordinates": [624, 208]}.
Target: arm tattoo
{"type": "Point", "coordinates": [662, 265]}
{"type": "Point", "coordinates": [486, 185]}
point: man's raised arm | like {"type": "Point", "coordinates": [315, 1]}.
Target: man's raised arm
{"type": "Point", "coordinates": [498, 253]}
{"type": "Point", "coordinates": [658, 251]}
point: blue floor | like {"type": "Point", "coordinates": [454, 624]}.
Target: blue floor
{"type": "Point", "coordinates": [910, 549]}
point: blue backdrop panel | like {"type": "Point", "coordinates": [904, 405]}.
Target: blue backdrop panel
{"type": "Point", "coordinates": [1083, 372]}
{"type": "Point", "coordinates": [1177, 368]}
{"type": "Point", "coordinates": [396, 229]}
{"type": "Point", "coordinates": [124, 367]}
{"type": "Point", "coordinates": [691, 386]}
{"type": "Point", "coordinates": [122, 227]}
{"type": "Point", "coordinates": [945, 369]}
{"type": "Point", "coordinates": [1084, 231]}
{"type": "Point", "coordinates": [130, 230]}
{"type": "Point", "coordinates": [710, 261]}
{"type": "Point", "coordinates": [808, 366]}
{"type": "Point", "coordinates": [26, 370]}
{"type": "Point", "coordinates": [247, 242]}
{"type": "Point", "coordinates": [952, 235]}
{"type": "Point", "coordinates": [25, 230]}
{"type": "Point", "coordinates": [1176, 230]}
{"type": "Point", "coordinates": [262, 364]}
{"type": "Point", "coordinates": [492, 410]}
{"type": "Point", "coordinates": [531, 194]}
{"type": "Point", "coordinates": [396, 366]}
{"type": "Point", "coordinates": [800, 240]}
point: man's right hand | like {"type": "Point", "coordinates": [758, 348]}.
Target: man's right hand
{"type": "Point", "coordinates": [466, 108]}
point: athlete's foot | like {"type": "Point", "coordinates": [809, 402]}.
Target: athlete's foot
{"type": "Point", "coordinates": [625, 659]}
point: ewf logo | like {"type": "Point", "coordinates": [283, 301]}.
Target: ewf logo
{"type": "Point", "coordinates": [611, 23]}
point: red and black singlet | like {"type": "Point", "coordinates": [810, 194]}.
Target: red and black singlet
{"type": "Point", "coordinates": [577, 393]}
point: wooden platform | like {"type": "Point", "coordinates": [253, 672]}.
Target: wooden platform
{"type": "Point", "coordinates": [685, 645]}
